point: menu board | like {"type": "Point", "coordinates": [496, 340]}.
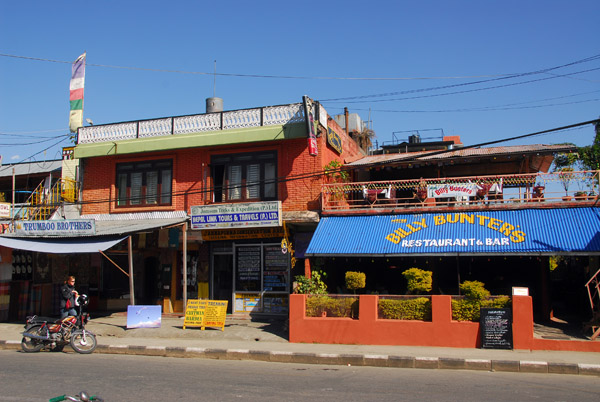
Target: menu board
{"type": "Point", "coordinates": [275, 304]}
{"type": "Point", "coordinates": [496, 328]}
{"type": "Point", "coordinates": [248, 266]}
{"type": "Point", "coordinates": [276, 271]}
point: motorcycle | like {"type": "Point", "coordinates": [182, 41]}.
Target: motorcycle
{"type": "Point", "coordinates": [47, 333]}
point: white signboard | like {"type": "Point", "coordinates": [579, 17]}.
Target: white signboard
{"type": "Point", "coordinates": [452, 190]}
{"type": "Point", "coordinates": [59, 227]}
{"type": "Point", "coordinates": [4, 210]}
{"type": "Point", "coordinates": [243, 215]}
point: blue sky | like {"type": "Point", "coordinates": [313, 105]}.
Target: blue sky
{"type": "Point", "coordinates": [415, 43]}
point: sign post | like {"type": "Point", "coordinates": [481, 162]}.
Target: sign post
{"type": "Point", "coordinates": [496, 328]}
{"type": "Point", "coordinates": [205, 313]}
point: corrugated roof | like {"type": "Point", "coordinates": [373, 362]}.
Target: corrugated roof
{"type": "Point", "coordinates": [462, 153]}
{"type": "Point", "coordinates": [518, 232]}
{"type": "Point", "coordinates": [23, 169]}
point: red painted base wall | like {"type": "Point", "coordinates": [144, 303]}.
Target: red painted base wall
{"type": "Point", "coordinates": [441, 331]}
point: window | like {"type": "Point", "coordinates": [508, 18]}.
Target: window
{"type": "Point", "coordinates": [144, 183]}
{"type": "Point", "coordinates": [244, 177]}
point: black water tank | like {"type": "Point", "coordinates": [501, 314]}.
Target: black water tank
{"type": "Point", "coordinates": [414, 139]}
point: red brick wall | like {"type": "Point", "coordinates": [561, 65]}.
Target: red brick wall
{"type": "Point", "coordinates": [190, 165]}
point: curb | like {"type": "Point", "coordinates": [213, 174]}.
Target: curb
{"type": "Point", "coordinates": [367, 360]}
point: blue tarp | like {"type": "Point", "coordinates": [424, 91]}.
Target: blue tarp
{"type": "Point", "coordinates": [516, 232]}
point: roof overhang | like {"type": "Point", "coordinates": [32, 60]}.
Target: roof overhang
{"type": "Point", "coordinates": [567, 231]}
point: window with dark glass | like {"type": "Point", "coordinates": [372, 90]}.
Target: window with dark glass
{"type": "Point", "coordinates": [145, 183]}
{"type": "Point", "coordinates": [244, 177]}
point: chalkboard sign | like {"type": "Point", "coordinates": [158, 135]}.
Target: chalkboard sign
{"type": "Point", "coordinates": [248, 267]}
{"type": "Point", "coordinates": [496, 328]}
{"type": "Point", "coordinates": [275, 275]}
{"type": "Point", "coordinates": [275, 259]}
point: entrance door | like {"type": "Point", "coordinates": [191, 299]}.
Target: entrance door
{"type": "Point", "coordinates": [223, 278]}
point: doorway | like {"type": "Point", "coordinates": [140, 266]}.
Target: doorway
{"type": "Point", "coordinates": [223, 278]}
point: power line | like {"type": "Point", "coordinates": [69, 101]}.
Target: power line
{"type": "Point", "coordinates": [504, 77]}
{"type": "Point", "coordinates": [501, 76]}
{"type": "Point", "coordinates": [464, 91]}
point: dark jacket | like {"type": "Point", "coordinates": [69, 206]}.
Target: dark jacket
{"type": "Point", "coordinates": [67, 294]}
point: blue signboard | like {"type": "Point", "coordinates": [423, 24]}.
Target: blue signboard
{"type": "Point", "coordinates": [262, 214]}
{"type": "Point", "coordinates": [538, 231]}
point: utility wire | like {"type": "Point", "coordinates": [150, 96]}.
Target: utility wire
{"type": "Point", "coordinates": [501, 76]}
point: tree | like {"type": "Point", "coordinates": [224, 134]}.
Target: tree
{"type": "Point", "coordinates": [590, 154]}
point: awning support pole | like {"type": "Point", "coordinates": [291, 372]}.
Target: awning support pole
{"type": "Point", "coordinates": [114, 263]}
{"type": "Point", "coordinates": [184, 229]}
{"type": "Point", "coordinates": [131, 288]}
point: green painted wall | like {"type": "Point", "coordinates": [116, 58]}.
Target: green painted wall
{"type": "Point", "coordinates": [195, 140]}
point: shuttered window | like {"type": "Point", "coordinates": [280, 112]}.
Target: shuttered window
{"type": "Point", "coordinates": [145, 183]}
{"type": "Point", "coordinates": [244, 177]}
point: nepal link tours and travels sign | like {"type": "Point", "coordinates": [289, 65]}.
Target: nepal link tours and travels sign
{"type": "Point", "coordinates": [239, 215]}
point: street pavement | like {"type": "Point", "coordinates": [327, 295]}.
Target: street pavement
{"type": "Point", "coordinates": [266, 340]}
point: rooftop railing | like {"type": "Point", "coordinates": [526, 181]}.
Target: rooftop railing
{"type": "Point", "coordinates": [534, 190]}
{"type": "Point", "coordinates": [264, 116]}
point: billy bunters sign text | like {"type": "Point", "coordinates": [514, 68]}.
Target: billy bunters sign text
{"type": "Point", "coordinates": [59, 227]}
{"type": "Point", "coordinates": [451, 190]}
{"type": "Point", "coordinates": [505, 232]}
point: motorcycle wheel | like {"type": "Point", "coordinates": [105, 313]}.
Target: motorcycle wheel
{"type": "Point", "coordinates": [83, 342]}
{"type": "Point", "coordinates": [30, 345]}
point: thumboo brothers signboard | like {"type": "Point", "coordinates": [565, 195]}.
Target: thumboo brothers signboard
{"type": "Point", "coordinates": [241, 215]}
{"type": "Point", "coordinates": [58, 227]}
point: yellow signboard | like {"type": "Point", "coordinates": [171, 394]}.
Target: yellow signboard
{"type": "Point", "coordinates": [205, 313]}
{"type": "Point", "coordinates": [194, 313]}
{"type": "Point", "coordinates": [216, 312]}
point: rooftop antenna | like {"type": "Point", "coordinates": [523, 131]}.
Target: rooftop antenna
{"type": "Point", "coordinates": [214, 104]}
{"type": "Point", "coordinates": [215, 81]}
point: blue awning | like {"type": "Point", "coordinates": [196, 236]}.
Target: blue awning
{"type": "Point", "coordinates": [515, 232]}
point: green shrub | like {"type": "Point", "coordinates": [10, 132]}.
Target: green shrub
{"type": "Point", "coordinates": [419, 281]}
{"type": "Point", "coordinates": [468, 309]}
{"type": "Point", "coordinates": [405, 309]}
{"type": "Point", "coordinates": [355, 280]}
{"type": "Point", "coordinates": [334, 307]}
{"type": "Point", "coordinates": [313, 285]}
{"type": "Point", "coordinates": [474, 290]}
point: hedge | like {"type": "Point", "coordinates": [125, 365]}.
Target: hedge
{"type": "Point", "coordinates": [405, 309]}
{"type": "Point", "coordinates": [468, 309]}
{"type": "Point", "coordinates": [333, 307]}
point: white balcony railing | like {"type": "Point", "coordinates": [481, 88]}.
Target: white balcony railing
{"type": "Point", "coordinates": [536, 190]}
{"type": "Point", "coordinates": [264, 116]}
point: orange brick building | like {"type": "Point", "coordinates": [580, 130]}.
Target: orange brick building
{"type": "Point", "coordinates": [151, 175]}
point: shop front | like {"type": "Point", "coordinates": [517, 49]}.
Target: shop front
{"type": "Point", "coordinates": [500, 248]}
{"type": "Point", "coordinates": [250, 265]}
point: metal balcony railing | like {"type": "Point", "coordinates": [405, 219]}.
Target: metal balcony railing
{"type": "Point", "coordinates": [534, 190]}
{"type": "Point", "coordinates": [264, 116]}
{"type": "Point", "coordinates": [45, 200]}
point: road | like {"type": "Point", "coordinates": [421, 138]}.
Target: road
{"type": "Point", "coordinates": [40, 376]}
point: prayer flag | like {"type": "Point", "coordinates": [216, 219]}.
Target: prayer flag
{"type": "Point", "coordinates": [76, 93]}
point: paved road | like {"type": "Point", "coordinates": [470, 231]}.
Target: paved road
{"type": "Point", "coordinates": [39, 376]}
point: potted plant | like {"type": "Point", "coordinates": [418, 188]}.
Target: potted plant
{"type": "Point", "coordinates": [538, 192]}
{"type": "Point", "coordinates": [581, 196]}
{"type": "Point", "coordinates": [565, 176]}
{"type": "Point", "coordinates": [421, 190]}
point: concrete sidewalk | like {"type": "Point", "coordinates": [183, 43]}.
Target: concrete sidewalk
{"type": "Point", "coordinates": [266, 340]}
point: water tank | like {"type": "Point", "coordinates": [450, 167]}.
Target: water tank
{"type": "Point", "coordinates": [414, 139]}
{"type": "Point", "coordinates": [214, 105]}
